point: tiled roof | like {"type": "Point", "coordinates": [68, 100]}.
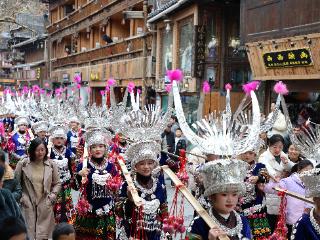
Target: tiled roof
{"type": "Point", "coordinates": [34, 22]}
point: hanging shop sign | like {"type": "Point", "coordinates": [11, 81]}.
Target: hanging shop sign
{"type": "Point", "coordinates": [289, 58]}
{"type": "Point", "coordinates": [65, 77]}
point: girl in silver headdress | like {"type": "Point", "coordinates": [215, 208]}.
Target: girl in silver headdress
{"type": "Point", "coordinates": [223, 183]}
{"type": "Point", "coordinates": [65, 160]}
{"type": "Point", "coordinates": [97, 221]}
{"type": "Point", "coordinates": [308, 226]}
{"type": "Point", "coordinates": [151, 188]}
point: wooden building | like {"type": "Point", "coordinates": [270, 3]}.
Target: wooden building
{"type": "Point", "coordinates": [282, 38]}
{"type": "Point", "coordinates": [98, 40]}
{"type": "Point", "coordinates": [203, 39]}
{"type": "Point", "coordinates": [28, 51]}
{"type": "Point", "coordinates": [5, 63]}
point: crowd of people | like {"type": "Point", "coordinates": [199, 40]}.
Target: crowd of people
{"type": "Point", "coordinates": [112, 156]}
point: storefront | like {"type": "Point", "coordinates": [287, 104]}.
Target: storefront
{"type": "Point", "coordinates": [203, 40]}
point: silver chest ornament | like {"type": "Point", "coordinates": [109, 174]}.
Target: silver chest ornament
{"type": "Point", "coordinates": [63, 169]}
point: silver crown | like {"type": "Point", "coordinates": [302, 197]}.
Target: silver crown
{"type": "Point", "coordinates": [148, 123]}
{"type": "Point", "coordinates": [97, 136]}
{"type": "Point", "coordinates": [311, 180]}
{"type": "Point", "coordinates": [41, 126]}
{"type": "Point", "coordinates": [224, 176]}
{"type": "Point", "coordinates": [58, 131]}
{"type": "Point", "coordinates": [141, 151]}
{"type": "Point", "coordinates": [307, 140]}
{"type": "Point", "coordinates": [21, 121]}
{"type": "Point", "coordinates": [223, 134]}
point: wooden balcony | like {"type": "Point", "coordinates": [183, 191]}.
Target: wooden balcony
{"type": "Point", "coordinates": [112, 52]}
{"type": "Point", "coordinates": [78, 18]}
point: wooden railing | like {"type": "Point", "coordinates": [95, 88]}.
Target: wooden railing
{"type": "Point", "coordinates": [89, 10]}
{"type": "Point", "coordinates": [111, 52]}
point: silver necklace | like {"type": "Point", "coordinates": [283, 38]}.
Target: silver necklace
{"type": "Point", "coordinates": [100, 167]}
{"type": "Point", "coordinates": [236, 231]}
{"type": "Point", "coordinates": [314, 223]}
{"type": "Point", "coordinates": [144, 191]}
{"type": "Point", "coordinates": [57, 153]}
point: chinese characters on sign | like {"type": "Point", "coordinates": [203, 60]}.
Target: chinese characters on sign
{"type": "Point", "coordinates": [288, 58]}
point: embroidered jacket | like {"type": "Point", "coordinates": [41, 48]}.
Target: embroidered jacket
{"type": "Point", "coordinates": [98, 194]}
{"type": "Point", "coordinates": [304, 229]}
{"type": "Point", "coordinates": [199, 230]}
{"type": "Point", "coordinates": [155, 210]}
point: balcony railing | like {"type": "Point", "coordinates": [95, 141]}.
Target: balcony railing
{"type": "Point", "coordinates": [89, 10]}
{"type": "Point", "coordinates": [112, 52]}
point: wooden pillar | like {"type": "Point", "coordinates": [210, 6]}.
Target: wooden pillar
{"type": "Point", "coordinates": [91, 38]}
{"type": "Point", "coordinates": [267, 101]}
{"type": "Point", "coordinates": [132, 25]}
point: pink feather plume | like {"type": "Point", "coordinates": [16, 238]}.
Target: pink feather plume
{"type": "Point", "coordinates": [102, 92]}
{"type": "Point", "coordinates": [111, 82]}
{"type": "Point", "coordinates": [77, 78]}
{"type": "Point", "coordinates": [138, 91]}
{"type": "Point", "coordinates": [251, 86]}
{"type": "Point", "coordinates": [281, 88]}
{"type": "Point", "coordinates": [206, 87]}
{"type": "Point", "coordinates": [175, 75]}
{"type": "Point", "coordinates": [168, 87]}
{"type": "Point", "coordinates": [228, 86]}
{"type": "Point", "coordinates": [131, 86]}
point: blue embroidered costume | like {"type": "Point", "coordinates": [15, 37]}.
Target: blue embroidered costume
{"type": "Point", "coordinates": [154, 209]}
{"type": "Point", "coordinates": [64, 159]}
{"type": "Point", "coordinates": [99, 223]}
{"type": "Point", "coordinates": [307, 228]}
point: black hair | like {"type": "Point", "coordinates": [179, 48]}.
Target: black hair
{"type": "Point", "coordinates": [174, 117]}
{"type": "Point", "coordinates": [33, 146]}
{"type": "Point", "coordinates": [179, 129]}
{"type": "Point", "coordinates": [300, 165]}
{"type": "Point", "coordinates": [276, 138]}
{"type": "Point", "coordinates": [2, 156]}
{"type": "Point", "coordinates": [12, 226]}
{"type": "Point", "coordinates": [2, 169]}
{"type": "Point", "coordinates": [62, 229]}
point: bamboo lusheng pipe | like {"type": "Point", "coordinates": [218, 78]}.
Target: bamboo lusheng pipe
{"type": "Point", "coordinates": [295, 195]}
{"type": "Point", "coordinates": [134, 193]}
{"type": "Point", "coordinates": [173, 155]}
{"type": "Point", "coordinates": [192, 200]}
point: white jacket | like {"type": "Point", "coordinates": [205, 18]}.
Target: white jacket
{"type": "Point", "coordinates": [279, 126]}
{"type": "Point", "coordinates": [274, 169]}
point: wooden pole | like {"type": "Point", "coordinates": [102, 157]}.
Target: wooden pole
{"type": "Point", "coordinates": [192, 200]}
{"type": "Point", "coordinates": [295, 195]}
{"type": "Point", "coordinates": [173, 155]}
{"type": "Point", "coordinates": [135, 196]}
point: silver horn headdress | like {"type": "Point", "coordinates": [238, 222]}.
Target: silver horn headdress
{"type": "Point", "coordinates": [307, 140]}
{"type": "Point", "coordinates": [222, 135]}
{"type": "Point", "coordinates": [148, 123]}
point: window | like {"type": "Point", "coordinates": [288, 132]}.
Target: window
{"type": "Point", "coordinates": [238, 77]}
{"type": "Point", "coordinates": [212, 37]}
{"type": "Point", "coordinates": [186, 48]}
{"type": "Point", "coordinates": [166, 51]}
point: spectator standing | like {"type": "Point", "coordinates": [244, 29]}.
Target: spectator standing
{"type": "Point", "coordinates": [40, 183]}
{"type": "Point", "coordinates": [9, 182]}
{"type": "Point", "coordinates": [8, 205]}
{"type": "Point", "coordinates": [174, 123]}
{"type": "Point", "coordinates": [278, 165]}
